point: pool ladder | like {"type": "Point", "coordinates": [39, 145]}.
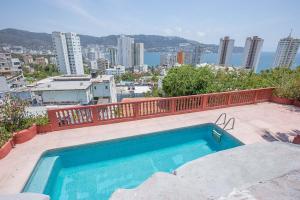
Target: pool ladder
{"type": "Point", "coordinates": [217, 135]}
{"type": "Point", "coordinates": [224, 117]}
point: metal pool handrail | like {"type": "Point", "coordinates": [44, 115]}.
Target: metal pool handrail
{"type": "Point", "coordinates": [225, 116]}
{"type": "Point", "coordinates": [232, 125]}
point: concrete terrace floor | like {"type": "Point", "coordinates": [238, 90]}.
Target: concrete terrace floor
{"type": "Point", "coordinates": [262, 122]}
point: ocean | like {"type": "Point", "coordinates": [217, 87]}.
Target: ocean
{"type": "Point", "coordinates": [265, 62]}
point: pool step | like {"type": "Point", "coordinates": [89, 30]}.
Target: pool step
{"type": "Point", "coordinates": [39, 179]}
{"type": "Point", "coordinates": [216, 135]}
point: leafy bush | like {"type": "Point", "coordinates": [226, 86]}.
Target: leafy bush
{"type": "Point", "coordinates": [15, 118]}
{"type": "Point", "coordinates": [13, 114]}
{"type": "Point", "coordinates": [188, 80]}
{"type": "Point", "coordinates": [41, 120]}
{"type": "Point", "coordinates": [4, 136]}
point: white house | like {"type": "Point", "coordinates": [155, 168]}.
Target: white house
{"type": "Point", "coordinates": [117, 70]}
{"type": "Point", "coordinates": [104, 87]}
{"type": "Point", "coordinates": [66, 90]}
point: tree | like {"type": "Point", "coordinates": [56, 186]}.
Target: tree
{"type": "Point", "coordinates": [187, 80]}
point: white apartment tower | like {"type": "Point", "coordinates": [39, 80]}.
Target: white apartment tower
{"type": "Point", "coordinates": [125, 51]}
{"type": "Point", "coordinates": [286, 52]}
{"type": "Point", "coordinates": [252, 51]}
{"type": "Point", "coordinates": [113, 58]}
{"type": "Point", "coordinates": [168, 59]}
{"type": "Point", "coordinates": [225, 50]}
{"type": "Point", "coordinates": [138, 54]}
{"type": "Point", "coordinates": [197, 54]}
{"type": "Point", "coordinates": [68, 53]}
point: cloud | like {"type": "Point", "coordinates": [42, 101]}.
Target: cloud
{"type": "Point", "coordinates": [184, 32]}
{"type": "Point", "coordinates": [75, 6]}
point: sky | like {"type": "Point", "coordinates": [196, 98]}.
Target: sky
{"type": "Point", "coordinates": [203, 21]}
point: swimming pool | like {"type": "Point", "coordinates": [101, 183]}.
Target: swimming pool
{"type": "Point", "coordinates": [95, 171]}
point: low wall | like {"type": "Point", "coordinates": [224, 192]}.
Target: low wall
{"type": "Point", "coordinates": [25, 135]}
{"type": "Point", "coordinates": [6, 148]}
{"type": "Point", "coordinates": [82, 116]}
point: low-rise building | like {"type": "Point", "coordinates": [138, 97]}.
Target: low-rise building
{"type": "Point", "coordinates": [17, 49]}
{"type": "Point", "coordinates": [5, 59]}
{"type": "Point", "coordinates": [52, 60]}
{"type": "Point", "coordinates": [116, 71]}
{"type": "Point", "coordinates": [132, 91]}
{"type": "Point", "coordinates": [11, 83]}
{"type": "Point", "coordinates": [140, 68]}
{"type": "Point", "coordinates": [102, 65]}
{"type": "Point", "coordinates": [41, 61]}
{"type": "Point", "coordinates": [104, 88]}
{"type": "Point", "coordinates": [27, 58]}
{"type": "Point", "coordinates": [69, 90]}
{"type": "Point", "coordinates": [8, 64]}
{"type": "Point", "coordinates": [93, 65]}
{"type": "Point", "coordinates": [4, 87]}
{"type": "Point", "coordinates": [16, 64]}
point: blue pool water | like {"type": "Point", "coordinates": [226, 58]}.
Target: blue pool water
{"type": "Point", "coordinates": [95, 171]}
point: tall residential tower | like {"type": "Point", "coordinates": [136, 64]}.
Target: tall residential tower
{"type": "Point", "coordinates": [252, 52]}
{"type": "Point", "coordinates": [125, 51]}
{"type": "Point", "coordinates": [138, 54]}
{"type": "Point", "coordinates": [68, 53]}
{"type": "Point", "coordinates": [113, 58]}
{"type": "Point", "coordinates": [225, 50]}
{"type": "Point", "coordinates": [286, 52]}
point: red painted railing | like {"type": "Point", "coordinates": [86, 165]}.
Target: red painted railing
{"type": "Point", "coordinates": [80, 116]}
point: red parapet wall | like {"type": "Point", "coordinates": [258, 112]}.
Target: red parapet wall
{"type": "Point", "coordinates": [82, 116]}
{"type": "Point", "coordinates": [6, 148]}
{"type": "Point", "coordinates": [25, 135]}
{"type": "Point", "coordinates": [44, 128]}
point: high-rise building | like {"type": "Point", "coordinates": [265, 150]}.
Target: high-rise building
{"type": "Point", "coordinates": [102, 65]}
{"type": "Point", "coordinates": [125, 51]}
{"type": "Point", "coordinates": [286, 52]}
{"type": "Point", "coordinates": [168, 59]}
{"type": "Point", "coordinates": [138, 54]}
{"type": "Point", "coordinates": [197, 53]}
{"type": "Point", "coordinates": [188, 57]}
{"type": "Point", "coordinates": [180, 57]}
{"type": "Point", "coordinates": [92, 54]}
{"type": "Point", "coordinates": [252, 52]}
{"type": "Point", "coordinates": [225, 50]}
{"type": "Point", "coordinates": [68, 53]}
{"type": "Point", "coordinates": [113, 56]}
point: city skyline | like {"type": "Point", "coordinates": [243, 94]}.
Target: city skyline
{"type": "Point", "coordinates": [193, 20]}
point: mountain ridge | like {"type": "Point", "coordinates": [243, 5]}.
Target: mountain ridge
{"type": "Point", "coordinates": [42, 41]}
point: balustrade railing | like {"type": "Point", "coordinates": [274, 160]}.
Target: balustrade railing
{"type": "Point", "coordinates": [80, 116]}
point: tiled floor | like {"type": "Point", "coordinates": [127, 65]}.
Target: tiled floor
{"type": "Point", "coordinates": [254, 123]}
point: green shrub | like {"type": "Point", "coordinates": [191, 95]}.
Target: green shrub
{"type": "Point", "coordinates": [15, 118]}
{"type": "Point", "coordinates": [13, 114]}
{"type": "Point", "coordinates": [188, 80]}
{"type": "Point", "coordinates": [41, 119]}
{"type": "Point", "coordinates": [4, 136]}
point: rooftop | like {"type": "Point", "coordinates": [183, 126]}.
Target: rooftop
{"type": "Point", "coordinates": [262, 122]}
{"type": "Point", "coordinates": [69, 82]}
{"type": "Point", "coordinates": [62, 85]}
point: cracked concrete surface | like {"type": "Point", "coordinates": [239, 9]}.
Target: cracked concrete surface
{"type": "Point", "coordinates": [250, 167]}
